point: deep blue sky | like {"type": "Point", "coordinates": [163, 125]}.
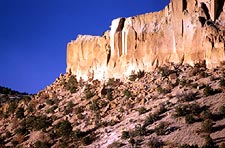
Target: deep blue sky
{"type": "Point", "coordinates": [34, 34]}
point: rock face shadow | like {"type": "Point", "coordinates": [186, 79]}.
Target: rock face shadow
{"type": "Point", "coordinates": [218, 128]}
{"type": "Point", "coordinates": [220, 4]}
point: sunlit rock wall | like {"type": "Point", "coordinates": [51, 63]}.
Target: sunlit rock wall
{"type": "Point", "coordinates": [186, 31]}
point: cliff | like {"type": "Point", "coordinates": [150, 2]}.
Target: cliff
{"type": "Point", "coordinates": [186, 31]}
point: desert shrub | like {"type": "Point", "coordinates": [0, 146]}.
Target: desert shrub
{"type": "Point", "coordinates": [201, 64]}
{"type": "Point", "coordinates": [140, 74]}
{"type": "Point", "coordinates": [161, 128]}
{"type": "Point", "coordinates": [94, 105]}
{"type": "Point", "coordinates": [134, 76]}
{"type": "Point", "coordinates": [56, 101]}
{"type": "Point", "coordinates": [110, 81]}
{"type": "Point", "coordinates": [26, 98]}
{"type": "Point", "coordinates": [195, 109]}
{"type": "Point", "coordinates": [184, 110]}
{"type": "Point", "coordinates": [112, 122]}
{"type": "Point", "coordinates": [87, 140]}
{"type": "Point", "coordinates": [72, 84]}
{"type": "Point", "coordinates": [181, 111]}
{"type": "Point", "coordinates": [155, 143]}
{"type": "Point", "coordinates": [21, 131]}
{"type": "Point", "coordinates": [4, 98]}
{"type": "Point", "coordinates": [14, 142]}
{"type": "Point", "coordinates": [150, 119]}
{"type": "Point", "coordinates": [222, 110]}
{"type": "Point", "coordinates": [138, 131]}
{"type": "Point", "coordinates": [9, 91]}
{"type": "Point", "coordinates": [80, 116]}
{"type": "Point", "coordinates": [188, 146]}
{"type": "Point", "coordinates": [163, 90]}
{"type": "Point", "coordinates": [195, 85]}
{"type": "Point", "coordinates": [20, 113]}
{"type": "Point", "coordinates": [2, 139]}
{"type": "Point", "coordinates": [79, 110]}
{"type": "Point", "coordinates": [121, 109]}
{"type": "Point", "coordinates": [64, 128]}
{"type": "Point", "coordinates": [162, 109]}
{"type": "Point", "coordinates": [208, 91]}
{"type": "Point", "coordinates": [54, 117]}
{"type": "Point", "coordinates": [189, 96]}
{"type": "Point", "coordinates": [164, 71]}
{"type": "Point", "coordinates": [183, 82]}
{"type": "Point", "coordinates": [69, 107]}
{"type": "Point", "coordinates": [209, 143]}
{"type": "Point", "coordinates": [206, 114]}
{"type": "Point", "coordinates": [127, 93]}
{"type": "Point", "coordinates": [12, 107]}
{"type": "Point", "coordinates": [125, 135]}
{"type": "Point", "coordinates": [38, 122]}
{"type": "Point", "coordinates": [109, 94]}
{"type": "Point", "coordinates": [52, 109]}
{"type": "Point", "coordinates": [78, 134]}
{"type": "Point", "coordinates": [142, 110]}
{"type": "Point", "coordinates": [49, 101]}
{"type": "Point", "coordinates": [189, 119]}
{"type": "Point", "coordinates": [207, 126]}
{"type": "Point", "coordinates": [89, 94]}
{"type": "Point", "coordinates": [132, 141]}
{"type": "Point", "coordinates": [70, 104]}
{"type": "Point", "coordinates": [30, 108]}
{"type": "Point", "coordinates": [7, 134]}
{"type": "Point", "coordinates": [222, 82]}
{"type": "Point", "coordinates": [203, 74]}
{"type": "Point", "coordinates": [41, 106]}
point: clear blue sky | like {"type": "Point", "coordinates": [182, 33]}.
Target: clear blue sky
{"type": "Point", "coordinates": [34, 34]}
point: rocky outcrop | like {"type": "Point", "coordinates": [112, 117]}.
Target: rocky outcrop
{"type": "Point", "coordinates": [186, 31]}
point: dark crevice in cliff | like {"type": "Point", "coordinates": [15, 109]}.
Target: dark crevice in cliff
{"type": "Point", "coordinates": [184, 5]}
{"type": "Point", "coordinates": [206, 10]}
{"type": "Point", "coordinates": [119, 33]}
{"type": "Point", "coordinates": [108, 56]}
{"type": "Point", "coordinates": [220, 4]}
{"type": "Point", "coordinates": [182, 28]}
{"type": "Point", "coordinates": [120, 25]}
{"type": "Point", "coordinates": [202, 20]}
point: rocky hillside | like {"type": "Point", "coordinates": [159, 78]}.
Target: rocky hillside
{"type": "Point", "coordinates": [173, 106]}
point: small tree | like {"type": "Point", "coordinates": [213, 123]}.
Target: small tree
{"type": "Point", "coordinates": [208, 91]}
{"type": "Point", "coordinates": [69, 107]}
{"type": "Point", "coordinates": [64, 128]}
{"type": "Point", "coordinates": [209, 143]}
{"type": "Point", "coordinates": [12, 107]}
{"type": "Point", "coordinates": [72, 84]}
{"type": "Point", "coordinates": [109, 94]}
{"type": "Point", "coordinates": [127, 93]}
{"type": "Point", "coordinates": [142, 110]}
{"type": "Point", "coordinates": [125, 135]}
{"type": "Point", "coordinates": [161, 129]}
{"type": "Point", "coordinates": [207, 126]}
{"type": "Point", "coordinates": [20, 113]}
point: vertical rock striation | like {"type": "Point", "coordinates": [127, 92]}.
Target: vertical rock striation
{"type": "Point", "coordinates": [186, 31]}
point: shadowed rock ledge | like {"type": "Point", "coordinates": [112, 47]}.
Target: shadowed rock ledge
{"type": "Point", "coordinates": [186, 31]}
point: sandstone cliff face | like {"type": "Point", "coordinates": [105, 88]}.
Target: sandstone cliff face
{"type": "Point", "coordinates": [186, 31]}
